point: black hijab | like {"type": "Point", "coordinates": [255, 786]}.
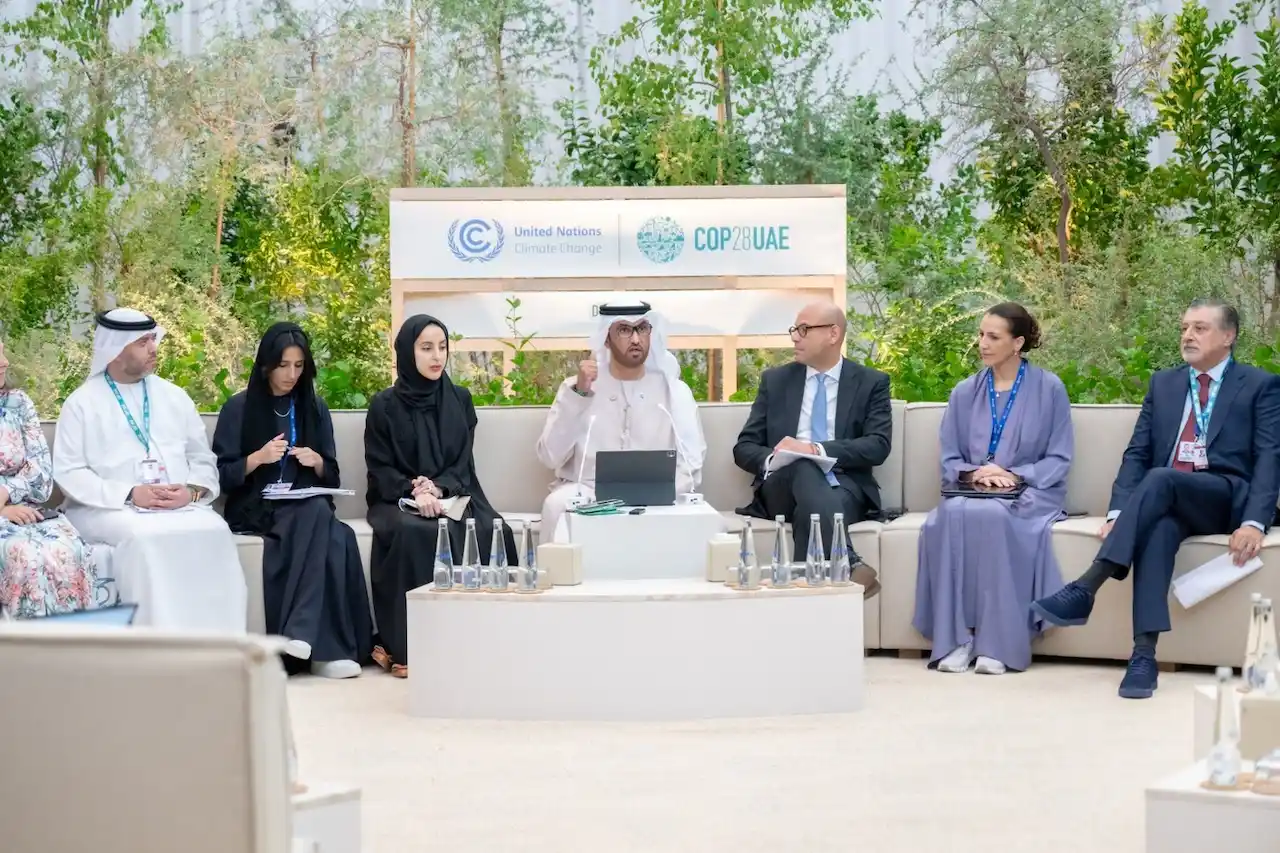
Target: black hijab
{"type": "Point", "coordinates": [260, 405]}
{"type": "Point", "coordinates": [441, 435]}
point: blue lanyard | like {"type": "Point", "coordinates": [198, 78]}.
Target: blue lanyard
{"type": "Point", "coordinates": [143, 435]}
{"type": "Point", "coordinates": [998, 422]}
{"type": "Point", "coordinates": [1202, 416]}
{"type": "Point", "coordinates": [293, 439]}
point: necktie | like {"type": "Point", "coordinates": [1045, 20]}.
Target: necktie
{"type": "Point", "coordinates": [1189, 428]}
{"type": "Point", "coordinates": [818, 418]}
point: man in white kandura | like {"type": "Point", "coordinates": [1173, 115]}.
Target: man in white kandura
{"type": "Point", "coordinates": [628, 394]}
{"type": "Point", "coordinates": [133, 459]}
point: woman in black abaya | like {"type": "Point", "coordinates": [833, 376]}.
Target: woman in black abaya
{"type": "Point", "coordinates": [417, 444]}
{"type": "Point", "coordinates": [278, 434]}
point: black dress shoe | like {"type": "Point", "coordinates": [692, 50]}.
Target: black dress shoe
{"type": "Point", "coordinates": [865, 576]}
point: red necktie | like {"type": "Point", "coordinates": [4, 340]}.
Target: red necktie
{"type": "Point", "coordinates": [1189, 428]}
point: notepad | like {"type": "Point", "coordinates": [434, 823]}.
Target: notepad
{"type": "Point", "coordinates": [454, 508]}
{"type": "Point", "coordinates": [1210, 578]}
{"type": "Point", "coordinates": [299, 494]}
{"type": "Point", "coordinates": [783, 458]}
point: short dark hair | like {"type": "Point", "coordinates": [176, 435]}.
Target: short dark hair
{"type": "Point", "coordinates": [1229, 317]}
{"type": "Point", "coordinates": [1021, 323]}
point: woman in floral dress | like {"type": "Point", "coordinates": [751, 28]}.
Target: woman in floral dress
{"type": "Point", "coordinates": [45, 567]}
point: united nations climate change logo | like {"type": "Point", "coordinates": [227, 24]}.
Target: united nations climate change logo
{"type": "Point", "coordinates": [661, 239]}
{"type": "Point", "coordinates": [477, 239]}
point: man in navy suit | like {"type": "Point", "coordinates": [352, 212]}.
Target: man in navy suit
{"type": "Point", "coordinates": [820, 405]}
{"type": "Point", "coordinates": [1203, 459]}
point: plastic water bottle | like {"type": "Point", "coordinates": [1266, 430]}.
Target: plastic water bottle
{"type": "Point", "coordinates": [780, 568]}
{"type": "Point", "coordinates": [839, 552]}
{"type": "Point", "coordinates": [748, 565]}
{"type": "Point", "coordinates": [498, 575]}
{"type": "Point", "coordinates": [471, 559]}
{"type": "Point", "coordinates": [815, 569]}
{"type": "Point", "coordinates": [527, 576]}
{"type": "Point", "coordinates": [443, 577]}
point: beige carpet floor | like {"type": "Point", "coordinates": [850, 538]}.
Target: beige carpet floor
{"type": "Point", "coordinates": [1045, 761]}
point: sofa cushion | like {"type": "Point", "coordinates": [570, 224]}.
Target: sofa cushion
{"type": "Point", "coordinates": [1101, 435]}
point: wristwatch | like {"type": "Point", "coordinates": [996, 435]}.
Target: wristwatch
{"type": "Point", "coordinates": [196, 493]}
{"type": "Point", "coordinates": [578, 391]}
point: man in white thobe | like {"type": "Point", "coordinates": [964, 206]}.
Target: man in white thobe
{"type": "Point", "coordinates": [133, 459]}
{"type": "Point", "coordinates": [629, 396]}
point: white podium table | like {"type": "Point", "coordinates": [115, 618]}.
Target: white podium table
{"type": "Point", "coordinates": [1182, 817]}
{"type": "Point", "coordinates": [635, 650]}
{"type": "Point", "coordinates": [662, 542]}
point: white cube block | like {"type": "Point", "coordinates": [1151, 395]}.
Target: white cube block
{"type": "Point", "coordinates": [562, 562]}
{"type": "Point", "coordinates": [722, 556]}
{"type": "Point", "coordinates": [1183, 817]}
{"type": "Point", "coordinates": [1259, 722]}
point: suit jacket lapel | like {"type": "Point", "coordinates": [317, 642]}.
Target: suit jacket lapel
{"type": "Point", "coordinates": [1168, 427]}
{"type": "Point", "coordinates": [844, 398]}
{"type": "Point", "coordinates": [793, 399]}
{"type": "Point", "coordinates": [1231, 382]}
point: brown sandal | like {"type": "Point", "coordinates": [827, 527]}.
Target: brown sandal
{"type": "Point", "coordinates": [399, 670]}
{"type": "Point", "coordinates": [381, 658]}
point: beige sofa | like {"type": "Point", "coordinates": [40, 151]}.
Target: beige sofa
{"type": "Point", "coordinates": [1213, 633]}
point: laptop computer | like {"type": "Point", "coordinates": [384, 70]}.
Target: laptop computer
{"type": "Point", "coordinates": [973, 490]}
{"type": "Point", "coordinates": [637, 477]}
{"type": "Point", "coordinates": [116, 616]}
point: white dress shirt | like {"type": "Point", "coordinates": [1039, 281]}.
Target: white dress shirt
{"type": "Point", "coordinates": [803, 432]}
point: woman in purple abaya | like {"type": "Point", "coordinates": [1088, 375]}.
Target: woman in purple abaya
{"type": "Point", "coordinates": [984, 560]}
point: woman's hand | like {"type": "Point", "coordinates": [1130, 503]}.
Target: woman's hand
{"type": "Point", "coordinates": [429, 506]}
{"type": "Point", "coordinates": [307, 457]}
{"type": "Point", "coordinates": [269, 454]}
{"type": "Point", "coordinates": [424, 486]}
{"type": "Point", "coordinates": [990, 470]}
{"type": "Point", "coordinates": [19, 514]}
{"type": "Point", "coordinates": [997, 481]}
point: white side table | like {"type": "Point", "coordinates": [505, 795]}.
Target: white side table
{"type": "Point", "coordinates": [635, 650]}
{"type": "Point", "coordinates": [662, 542]}
{"type": "Point", "coordinates": [1183, 817]}
{"type": "Point", "coordinates": [326, 819]}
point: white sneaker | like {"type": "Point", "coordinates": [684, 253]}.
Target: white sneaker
{"type": "Point", "coordinates": [989, 666]}
{"type": "Point", "coordinates": [958, 659]}
{"type": "Point", "coordinates": [298, 649]}
{"type": "Point", "coordinates": [335, 668]}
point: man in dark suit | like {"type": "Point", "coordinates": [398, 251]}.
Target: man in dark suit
{"type": "Point", "coordinates": [820, 405]}
{"type": "Point", "coordinates": [1197, 464]}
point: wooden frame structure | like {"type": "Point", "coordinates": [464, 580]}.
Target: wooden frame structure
{"type": "Point", "coordinates": [833, 287]}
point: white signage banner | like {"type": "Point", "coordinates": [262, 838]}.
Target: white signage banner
{"type": "Point", "coordinates": [572, 314]}
{"type": "Point", "coordinates": [618, 238]}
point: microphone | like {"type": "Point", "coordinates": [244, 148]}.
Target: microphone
{"type": "Point", "coordinates": [582, 466]}
{"type": "Point", "coordinates": [675, 431]}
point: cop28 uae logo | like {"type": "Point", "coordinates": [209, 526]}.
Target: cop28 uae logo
{"type": "Point", "coordinates": [476, 239]}
{"type": "Point", "coordinates": [661, 239]}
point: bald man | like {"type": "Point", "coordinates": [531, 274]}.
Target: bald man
{"type": "Point", "coordinates": [820, 405]}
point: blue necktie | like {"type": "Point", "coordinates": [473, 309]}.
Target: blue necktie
{"type": "Point", "coordinates": [818, 419]}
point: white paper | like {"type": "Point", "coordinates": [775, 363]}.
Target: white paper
{"type": "Point", "coordinates": [1212, 577]}
{"type": "Point", "coordinates": [783, 458]}
{"type": "Point", "coordinates": [299, 494]}
{"type": "Point", "coordinates": [186, 508]}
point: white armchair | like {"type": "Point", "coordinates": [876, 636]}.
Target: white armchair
{"type": "Point", "coordinates": [128, 741]}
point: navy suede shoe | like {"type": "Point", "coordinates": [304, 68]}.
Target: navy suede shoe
{"type": "Point", "coordinates": [1070, 605]}
{"type": "Point", "coordinates": [1140, 678]}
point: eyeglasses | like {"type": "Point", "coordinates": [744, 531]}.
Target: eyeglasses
{"type": "Point", "coordinates": [624, 331]}
{"type": "Point", "coordinates": [802, 330]}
